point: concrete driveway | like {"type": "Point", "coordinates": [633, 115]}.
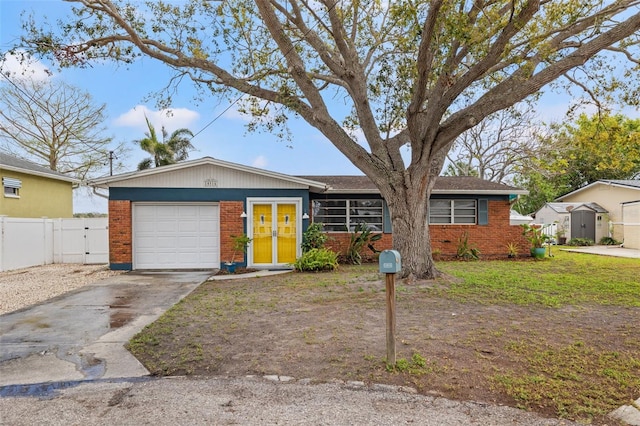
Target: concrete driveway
{"type": "Point", "coordinates": [81, 335]}
{"type": "Point", "coordinates": [615, 251]}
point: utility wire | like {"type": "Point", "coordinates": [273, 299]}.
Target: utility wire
{"type": "Point", "coordinates": [279, 63]}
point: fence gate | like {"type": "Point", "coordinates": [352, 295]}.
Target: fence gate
{"type": "Point", "coordinates": [81, 240]}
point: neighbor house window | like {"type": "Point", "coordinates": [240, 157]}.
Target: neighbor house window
{"type": "Point", "coordinates": [11, 187]}
{"type": "Point", "coordinates": [344, 215]}
{"type": "Point", "coordinates": [453, 212]}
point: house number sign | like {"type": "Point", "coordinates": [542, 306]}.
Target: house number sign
{"type": "Point", "coordinates": [210, 183]}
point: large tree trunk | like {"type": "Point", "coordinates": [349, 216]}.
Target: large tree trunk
{"type": "Point", "coordinates": [409, 210]}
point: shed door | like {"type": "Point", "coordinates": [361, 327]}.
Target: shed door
{"type": "Point", "coordinates": [583, 224]}
{"type": "Point", "coordinates": [176, 236]}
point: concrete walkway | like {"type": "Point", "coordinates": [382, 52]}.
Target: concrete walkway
{"type": "Point", "coordinates": [615, 251]}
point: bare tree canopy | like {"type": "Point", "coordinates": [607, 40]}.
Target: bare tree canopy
{"type": "Point", "coordinates": [496, 148]}
{"type": "Point", "coordinates": [54, 124]}
{"type": "Point", "coordinates": [403, 73]}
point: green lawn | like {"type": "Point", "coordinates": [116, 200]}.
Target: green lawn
{"type": "Point", "coordinates": [566, 278]}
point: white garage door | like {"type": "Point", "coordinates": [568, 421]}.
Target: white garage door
{"type": "Point", "coordinates": [176, 236]}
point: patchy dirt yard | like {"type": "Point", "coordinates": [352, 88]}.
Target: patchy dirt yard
{"type": "Point", "coordinates": [556, 361]}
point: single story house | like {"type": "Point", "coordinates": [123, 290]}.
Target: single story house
{"type": "Point", "coordinates": [611, 195]}
{"type": "Point", "coordinates": [183, 216]}
{"type": "Point", "coordinates": [33, 191]}
{"type": "Point", "coordinates": [575, 220]}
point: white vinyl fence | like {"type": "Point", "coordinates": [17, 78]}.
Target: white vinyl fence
{"type": "Point", "coordinates": [31, 242]}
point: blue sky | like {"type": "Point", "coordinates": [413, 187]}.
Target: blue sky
{"type": "Point", "coordinates": [124, 91]}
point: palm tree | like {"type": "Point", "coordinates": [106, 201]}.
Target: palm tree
{"type": "Point", "coordinates": [168, 151]}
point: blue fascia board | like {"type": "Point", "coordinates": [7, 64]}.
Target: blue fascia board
{"type": "Point", "coordinates": [504, 197]}
{"type": "Point", "coordinates": [341, 196]}
{"type": "Point", "coordinates": [433, 196]}
{"type": "Point", "coordinates": [201, 194]}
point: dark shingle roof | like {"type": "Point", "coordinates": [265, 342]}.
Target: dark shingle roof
{"type": "Point", "coordinates": [10, 162]}
{"type": "Point", "coordinates": [635, 183]}
{"type": "Point", "coordinates": [444, 184]}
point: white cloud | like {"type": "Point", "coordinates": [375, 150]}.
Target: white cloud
{"type": "Point", "coordinates": [260, 162]}
{"type": "Point", "coordinates": [21, 65]}
{"type": "Point", "coordinates": [233, 113]}
{"type": "Point", "coordinates": [172, 119]}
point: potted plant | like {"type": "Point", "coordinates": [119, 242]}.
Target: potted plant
{"type": "Point", "coordinates": [561, 234]}
{"type": "Point", "coordinates": [536, 237]}
{"type": "Point", "coordinates": [240, 243]}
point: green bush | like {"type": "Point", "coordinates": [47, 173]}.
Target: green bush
{"type": "Point", "coordinates": [360, 237]}
{"type": "Point", "coordinates": [317, 259]}
{"type": "Point", "coordinates": [608, 241]}
{"type": "Point", "coordinates": [580, 242]}
{"type": "Point", "coordinates": [466, 250]}
{"type": "Point", "coordinates": [313, 237]}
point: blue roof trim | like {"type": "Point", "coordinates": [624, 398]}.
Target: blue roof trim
{"type": "Point", "coordinates": [201, 194]}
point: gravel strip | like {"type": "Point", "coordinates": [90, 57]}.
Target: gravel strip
{"type": "Point", "coordinates": [25, 287]}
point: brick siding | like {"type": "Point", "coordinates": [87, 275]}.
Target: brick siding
{"type": "Point", "coordinates": [230, 224]}
{"type": "Point", "coordinates": [490, 239]}
{"type": "Point", "coordinates": [120, 250]}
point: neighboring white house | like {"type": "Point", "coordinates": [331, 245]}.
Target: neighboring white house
{"type": "Point", "coordinates": [576, 220]}
{"type": "Point", "coordinates": [631, 227]}
{"type": "Point", "coordinates": [612, 196]}
{"type": "Point", "coordinates": [516, 218]}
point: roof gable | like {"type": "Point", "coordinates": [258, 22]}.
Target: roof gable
{"type": "Point", "coordinates": [206, 172]}
{"type": "Point", "coordinates": [633, 184]}
{"type": "Point", "coordinates": [568, 207]}
{"type": "Point", "coordinates": [12, 163]}
{"type": "Point", "coordinates": [211, 172]}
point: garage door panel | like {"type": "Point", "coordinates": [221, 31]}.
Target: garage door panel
{"type": "Point", "coordinates": [166, 243]}
{"type": "Point", "coordinates": [209, 226]}
{"type": "Point", "coordinates": [188, 226]}
{"type": "Point", "coordinates": [165, 225]}
{"type": "Point", "coordinates": [145, 243]}
{"type": "Point", "coordinates": [208, 245]}
{"type": "Point", "coordinates": [176, 236]}
{"type": "Point", "coordinates": [146, 225]}
{"type": "Point", "coordinates": [187, 244]}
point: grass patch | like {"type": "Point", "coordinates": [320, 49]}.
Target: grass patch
{"type": "Point", "coordinates": [578, 380]}
{"type": "Point", "coordinates": [565, 279]}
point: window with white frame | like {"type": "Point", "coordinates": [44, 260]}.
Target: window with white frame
{"type": "Point", "coordinates": [453, 212]}
{"type": "Point", "coordinates": [343, 215]}
{"type": "Point", "coordinates": [11, 187]}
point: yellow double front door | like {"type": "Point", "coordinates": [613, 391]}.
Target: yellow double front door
{"type": "Point", "coordinates": [275, 233]}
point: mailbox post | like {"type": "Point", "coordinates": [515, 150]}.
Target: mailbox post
{"type": "Point", "coordinates": [390, 264]}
